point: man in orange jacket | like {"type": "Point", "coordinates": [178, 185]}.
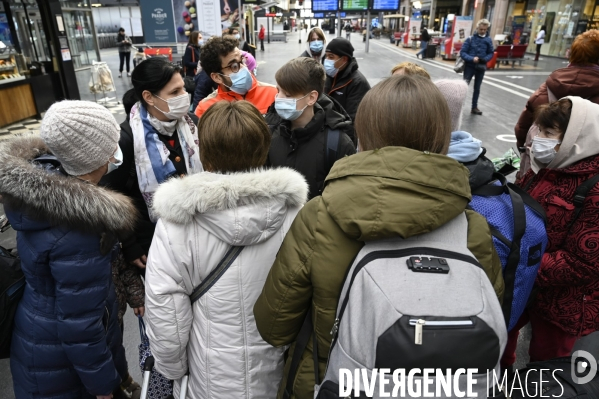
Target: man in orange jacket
{"type": "Point", "coordinates": [224, 63]}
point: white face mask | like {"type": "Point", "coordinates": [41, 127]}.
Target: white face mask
{"type": "Point", "coordinates": [118, 156]}
{"type": "Point", "coordinates": [177, 106]}
{"type": "Point", "coordinates": [543, 150]}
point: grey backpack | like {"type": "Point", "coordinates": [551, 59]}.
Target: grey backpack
{"type": "Point", "coordinates": [416, 303]}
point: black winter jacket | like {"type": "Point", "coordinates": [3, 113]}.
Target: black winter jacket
{"type": "Point", "coordinates": [304, 149]}
{"type": "Point", "coordinates": [124, 180]}
{"type": "Point", "coordinates": [348, 87]}
{"type": "Point", "coordinates": [204, 86]}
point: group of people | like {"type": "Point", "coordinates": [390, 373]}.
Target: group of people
{"type": "Point", "coordinates": [283, 185]}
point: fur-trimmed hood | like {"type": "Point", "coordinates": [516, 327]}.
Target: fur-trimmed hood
{"type": "Point", "coordinates": [58, 199]}
{"type": "Point", "coordinates": [240, 208]}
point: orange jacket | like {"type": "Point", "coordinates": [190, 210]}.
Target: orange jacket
{"type": "Point", "coordinates": [262, 95]}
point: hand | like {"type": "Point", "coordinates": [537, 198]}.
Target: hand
{"type": "Point", "coordinates": [139, 311]}
{"type": "Point", "coordinates": [476, 60]}
{"type": "Point", "coordinates": [104, 396]}
{"type": "Point", "coordinates": [140, 262]}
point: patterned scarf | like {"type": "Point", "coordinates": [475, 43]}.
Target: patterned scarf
{"type": "Point", "coordinates": [151, 155]}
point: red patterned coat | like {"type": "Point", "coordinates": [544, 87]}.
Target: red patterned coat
{"type": "Point", "coordinates": [568, 279]}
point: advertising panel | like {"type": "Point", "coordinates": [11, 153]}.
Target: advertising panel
{"type": "Point", "coordinates": [158, 21]}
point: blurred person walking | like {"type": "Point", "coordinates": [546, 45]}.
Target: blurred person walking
{"type": "Point", "coordinates": [476, 52]}
{"type": "Point", "coordinates": [124, 44]}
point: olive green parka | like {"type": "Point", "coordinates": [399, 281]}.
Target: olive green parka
{"type": "Point", "coordinates": [391, 192]}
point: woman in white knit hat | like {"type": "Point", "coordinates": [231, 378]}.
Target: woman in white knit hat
{"type": "Point", "coordinates": [66, 341]}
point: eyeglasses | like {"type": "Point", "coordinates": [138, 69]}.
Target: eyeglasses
{"type": "Point", "coordinates": [235, 65]}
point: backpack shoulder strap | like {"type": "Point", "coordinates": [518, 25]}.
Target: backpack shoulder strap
{"type": "Point", "coordinates": [301, 342]}
{"type": "Point", "coordinates": [332, 147]}
{"type": "Point", "coordinates": [215, 274]}
{"type": "Point", "coordinates": [580, 195]}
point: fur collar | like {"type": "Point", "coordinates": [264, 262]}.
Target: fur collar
{"type": "Point", "coordinates": [59, 199]}
{"type": "Point", "coordinates": [179, 200]}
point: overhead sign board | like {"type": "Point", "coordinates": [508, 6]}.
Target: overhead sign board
{"type": "Point", "coordinates": [325, 5]}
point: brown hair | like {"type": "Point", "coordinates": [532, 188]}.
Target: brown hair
{"type": "Point", "coordinates": [410, 68]}
{"type": "Point", "coordinates": [300, 76]}
{"type": "Point", "coordinates": [193, 38]}
{"type": "Point", "coordinates": [319, 33]}
{"type": "Point", "coordinates": [233, 137]}
{"type": "Point", "coordinates": [554, 115]}
{"type": "Point", "coordinates": [585, 49]}
{"type": "Point", "coordinates": [407, 111]}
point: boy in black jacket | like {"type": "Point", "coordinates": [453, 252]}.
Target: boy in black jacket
{"type": "Point", "coordinates": [309, 132]}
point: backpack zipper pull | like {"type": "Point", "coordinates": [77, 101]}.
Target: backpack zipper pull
{"type": "Point", "coordinates": [335, 327]}
{"type": "Point", "coordinates": [418, 336]}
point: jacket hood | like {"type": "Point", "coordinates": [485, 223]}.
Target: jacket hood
{"type": "Point", "coordinates": [395, 191]}
{"type": "Point", "coordinates": [336, 117]}
{"type": "Point", "coordinates": [240, 208]}
{"type": "Point", "coordinates": [575, 81]}
{"type": "Point", "coordinates": [463, 147]}
{"type": "Point", "coordinates": [581, 139]}
{"type": "Point", "coordinates": [55, 198]}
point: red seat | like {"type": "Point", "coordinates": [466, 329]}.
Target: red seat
{"type": "Point", "coordinates": [503, 51]}
{"type": "Point", "coordinates": [519, 50]}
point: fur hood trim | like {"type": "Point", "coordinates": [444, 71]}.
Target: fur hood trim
{"type": "Point", "coordinates": [180, 199]}
{"type": "Point", "coordinates": [59, 199]}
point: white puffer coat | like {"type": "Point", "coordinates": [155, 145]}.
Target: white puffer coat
{"type": "Point", "coordinates": [216, 339]}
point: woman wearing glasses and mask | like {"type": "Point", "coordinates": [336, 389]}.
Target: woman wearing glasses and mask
{"type": "Point", "coordinates": [163, 144]}
{"type": "Point", "coordinates": [225, 64]}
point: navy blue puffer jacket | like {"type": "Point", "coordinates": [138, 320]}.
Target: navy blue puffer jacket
{"type": "Point", "coordinates": [476, 46]}
{"type": "Point", "coordinates": [66, 342]}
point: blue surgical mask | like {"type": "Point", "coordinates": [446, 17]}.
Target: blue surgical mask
{"type": "Point", "coordinates": [118, 155]}
{"type": "Point", "coordinates": [329, 67]}
{"type": "Point", "coordinates": [241, 82]}
{"type": "Point", "coordinates": [237, 36]}
{"type": "Point", "coordinates": [287, 107]}
{"type": "Point", "coordinates": [201, 42]}
{"type": "Point", "coordinates": [316, 46]}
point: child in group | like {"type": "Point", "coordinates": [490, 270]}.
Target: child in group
{"type": "Point", "coordinates": [302, 130]}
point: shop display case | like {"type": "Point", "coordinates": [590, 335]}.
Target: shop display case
{"type": "Point", "coordinates": [9, 70]}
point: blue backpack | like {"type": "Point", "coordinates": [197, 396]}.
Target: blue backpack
{"type": "Point", "coordinates": [517, 223]}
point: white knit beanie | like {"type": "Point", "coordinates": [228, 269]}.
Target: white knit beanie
{"type": "Point", "coordinates": [83, 135]}
{"type": "Point", "coordinates": [454, 91]}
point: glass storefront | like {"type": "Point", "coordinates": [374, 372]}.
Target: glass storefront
{"type": "Point", "coordinates": [81, 37]}
{"type": "Point", "coordinates": [564, 20]}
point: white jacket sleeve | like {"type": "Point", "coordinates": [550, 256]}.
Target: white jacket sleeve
{"type": "Point", "coordinates": [168, 314]}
